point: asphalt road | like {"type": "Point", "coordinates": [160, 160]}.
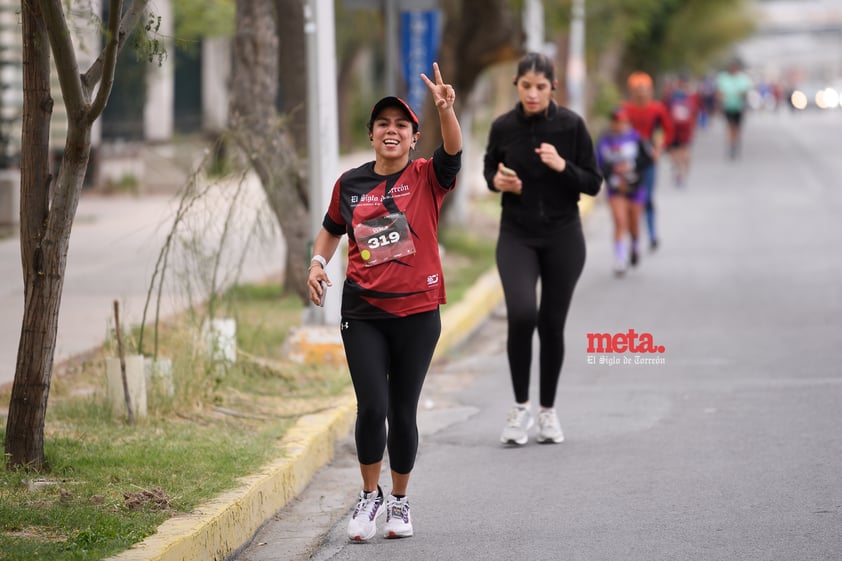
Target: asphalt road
{"type": "Point", "coordinates": [728, 448]}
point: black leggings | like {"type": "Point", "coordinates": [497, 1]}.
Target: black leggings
{"type": "Point", "coordinates": [388, 360]}
{"type": "Point", "coordinates": [556, 259]}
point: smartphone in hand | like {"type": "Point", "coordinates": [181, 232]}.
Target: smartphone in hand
{"type": "Point", "coordinates": [323, 286]}
{"type": "Point", "coordinates": [508, 171]}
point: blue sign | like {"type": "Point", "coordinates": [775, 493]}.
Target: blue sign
{"type": "Point", "coordinates": [420, 38]}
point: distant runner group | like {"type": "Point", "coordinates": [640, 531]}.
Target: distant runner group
{"type": "Point", "coordinates": [642, 129]}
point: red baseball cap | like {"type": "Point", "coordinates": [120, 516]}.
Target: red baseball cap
{"type": "Point", "coordinates": [392, 101]}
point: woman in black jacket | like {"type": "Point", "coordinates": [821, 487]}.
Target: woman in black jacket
{"type": "Point", "coordinates": [540, 156]}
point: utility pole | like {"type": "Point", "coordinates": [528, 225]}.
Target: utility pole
{"type": "Point", "coordinates": [323, 138]}
{"type": "Point", "coordinates": [391, 9]}
{"type": "Point", "coordinates": [576, 60]}
{"type": "Point", "coordinates": [533, 25]}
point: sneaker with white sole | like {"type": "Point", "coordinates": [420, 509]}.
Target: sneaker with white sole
{"type": "Point", "coordinates": [398, 520]}
{"type": "Point", "coordinates": [549, 429]}
{"type": "Point", "coordinates": [363, 523]}
{"type": "Point", "coordinates": [519, 421]}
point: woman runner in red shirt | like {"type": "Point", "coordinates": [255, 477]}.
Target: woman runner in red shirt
{"type": "Point", "coordinates": [389, 209]}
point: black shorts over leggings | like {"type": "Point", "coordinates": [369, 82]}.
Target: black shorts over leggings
{"type": "Point", "coordinates": [388, 360]}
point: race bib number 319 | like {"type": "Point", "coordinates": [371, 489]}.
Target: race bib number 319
{"type": "Point", "coordinates": [384, 239]}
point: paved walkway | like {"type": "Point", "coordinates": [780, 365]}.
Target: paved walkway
{"type": "Point", "coordinates": [114, 246]}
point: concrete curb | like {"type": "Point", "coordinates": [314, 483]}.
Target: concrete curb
{"type": "Point", "coordinates": [219, 528]}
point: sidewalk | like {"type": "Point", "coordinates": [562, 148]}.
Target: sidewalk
{"type": "Point", "coordinates": [113, 250]}
{"type": "Point", "coordinates": [114, 245]}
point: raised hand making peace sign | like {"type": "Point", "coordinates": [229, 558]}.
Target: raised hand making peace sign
{"type": "Point", "coordinates": [443, 94]}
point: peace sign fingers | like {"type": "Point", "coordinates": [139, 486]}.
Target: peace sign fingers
{"type": "Point", "coordinates": [443, 94]}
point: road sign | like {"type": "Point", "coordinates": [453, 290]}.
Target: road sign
{"type": "Point", "coordinates": [420, 38]}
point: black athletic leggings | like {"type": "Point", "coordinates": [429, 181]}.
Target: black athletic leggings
{"type": "Point", "coordinates": [388, 360]}
{"type": "Point", "coordinates": [557, 259]}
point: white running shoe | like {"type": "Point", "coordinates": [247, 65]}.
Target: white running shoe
{"type": "Point", "coordinates": [620, 268]}
{"type": "Point", "coordinates": [518, 422]}
{"type": "Point", "coordinates": [398, 520]}
{"type": "Point", "coordinates": [549, 429]}
{"type": "Point", "coordinates": [363, 523]}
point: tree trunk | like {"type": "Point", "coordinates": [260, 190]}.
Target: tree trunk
{"type": "Point", "coordinates": [260, 132]}
{"type": "Point", "coordinates": [348, 65]}
{"type": "Point", "coordinates": [47, 214]}
{"type": "Point", "coordinates": [469, 45]}
{"type": "Point", "coordinates": [25, 425]}
{"type": "Point", "coordinates": [292, 66]}
{"type": "Point", "coordinates": [45, 238]}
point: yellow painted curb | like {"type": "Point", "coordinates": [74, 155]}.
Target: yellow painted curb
{"type": "Point", "coordinates": [586, 203]}
{"type": "Point", "coordinates": [220, 527]}
{"type": "Point", "coordinates": [462, 318]}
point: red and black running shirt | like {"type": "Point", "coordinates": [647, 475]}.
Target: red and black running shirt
{"type": "Point", "coordinates": [412, 283]}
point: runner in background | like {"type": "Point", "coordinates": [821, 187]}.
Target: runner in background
{"type": "Point", "coordinates": [732, 87]}
{"type": "Point", "coordinates": [683, 104]}
{"type": "Point", "coordinates": [651, 120]}
{"type": "Point", "coordinates": [621, 154]}
{"type": "Point", "coordinates": [707, 96]}
{"type": "Point", "coordinates": [540, 157]}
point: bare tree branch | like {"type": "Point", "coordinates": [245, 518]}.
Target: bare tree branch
{"type": "Point", "coordinates": [129, 21]}
{"type": "Point", "coordinates": [112, 49]}
{"type": "Point", "coordinates": [61, 44]}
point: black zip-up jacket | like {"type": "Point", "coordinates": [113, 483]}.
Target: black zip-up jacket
{"type": "Point", "coordinates": [549, 198]}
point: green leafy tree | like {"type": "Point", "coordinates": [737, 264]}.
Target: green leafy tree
{"type": "Point", "coordinates": [657, 36]}
{"type": "Point", "coordinates": [691, 35]}
{"type": "Point", "coordinates": [196, 19]}
{"type": "Point", "coordinates": [48, 204]}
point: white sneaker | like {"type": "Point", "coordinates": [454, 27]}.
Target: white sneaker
{"type": "Point", "coordinates": [549, 429]}
{"type": "Point", "coordinates": [620, 268]}
{"type": "Point", "coordinates": [518, 423]}
{"type": "Point", "coordinates": [363, 523]}
{"type": "Point", "coordinates": [398, 520]}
